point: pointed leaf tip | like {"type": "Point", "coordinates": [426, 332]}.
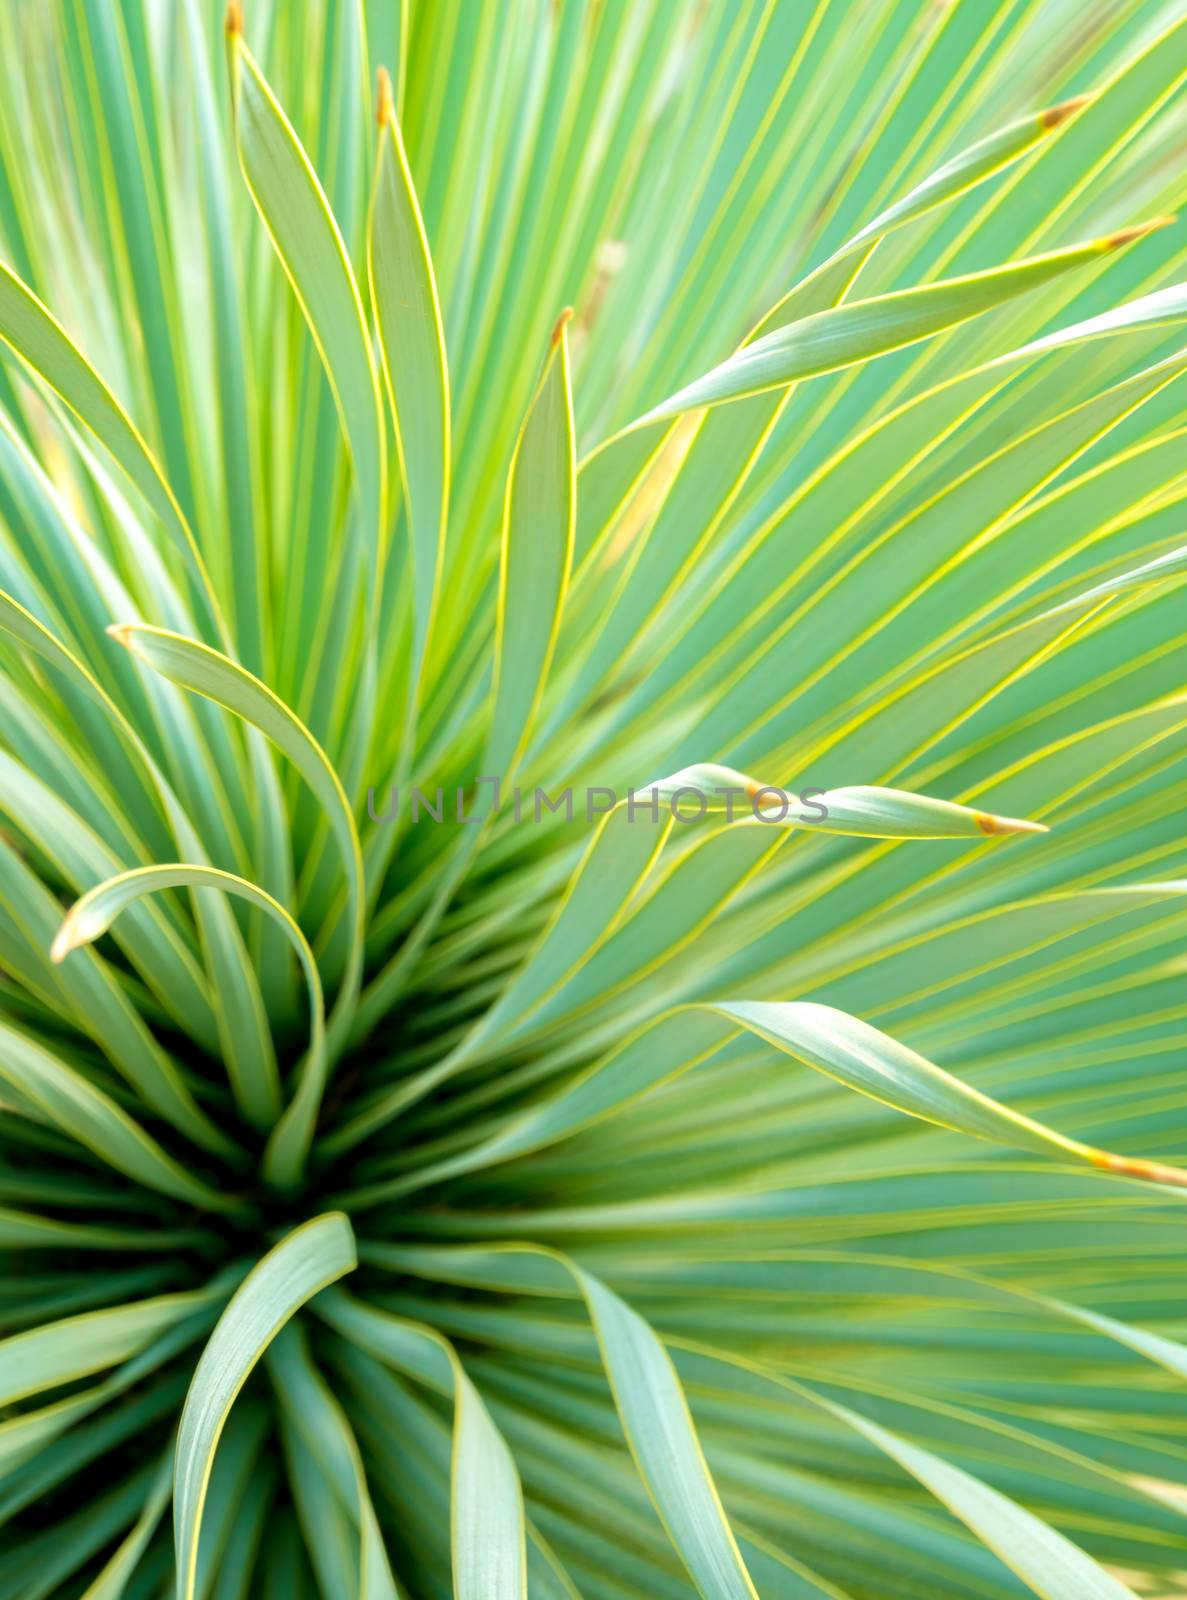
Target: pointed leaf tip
{"type": "Point", "coordinates": [988, 823]}
{"type": "Point", "coordinates": [1113, 241]}
{"type": "Point", "coordinates": [559, 327]}
{"type": "Point", "coordinates": [234, 19]}
{"type": "Point", "coordinates": [1054, 116]}
{"type": "Point", "coordinates": [65, 941]}
{"type": "Point", "coordinates": [385, 101]}
{"type": "Point", "coordinates": [121, 632]}
{"type": "Point", "coordinates": [1138, 1167]}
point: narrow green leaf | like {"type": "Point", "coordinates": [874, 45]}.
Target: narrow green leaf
{"type": "Point", "coordinates": [91, 989]}
{"type": "Point", "coordinates": [651, 1406]}
{"type": "Point", "coordinates": [1043, 1558]}
{"type": "Point", "coordinates": [861, 811]}
{"type": "Point", "coordinates": [537, 551]}
{"type": "Point", "coordinates": [605, 931]}
{"type": "Point", "coordinates": [152, 940]}
{"type": "Point", "coordinates": [23, 1436]}
{"type": "Point", "coordinates": [113, 1580]}
{"type": "Point", "coordinates": [297, 215]}
{"type": "Point", "coordinates": [486, 1514]}
{"type": "Point", "coordinates": [862, 329]}
{"type": "Point", "coordinates": [867, 812]}
{"type": "Point", "coordinates": [93, 914]}
{"type": "Point", "coordinates": [1047, 1562]}
{"type": "Point", "coordinates": [62, 1352]}
{"type": "Point", "coordinates": [305, 1261]}
{"type": "Point", "coordinates": [67, 1100]}
{"type": "Point", "coordinates": [317, 1420]}
{"type": "Point", "coordinates": [618, 857]}
{"type": "Point", "coordinates": [36, 335]}
{"type": "Point", "coordinates": [972, 166]}
{"type": "Point", "coordinates": [864, 1058]}
{"type": "Point", "coordinates": [240, 1014]}
{"type": "Point", "coordinates": [204, 671]}
{"type": "Point", "coordinates": [25, 1230]}
{"type": "Point", "coordinates": [663, 1440]}
{"type": "Point", "coordinates": [609, 474]}
{"type": "Point", "coordinates": [412, 347]}
{"type": "Point", "coordinates": [95, 911]}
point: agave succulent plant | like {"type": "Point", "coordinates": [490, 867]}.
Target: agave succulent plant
{"type": "Point", "coordinates": [591, 979]}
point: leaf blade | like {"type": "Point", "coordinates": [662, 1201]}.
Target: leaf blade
{"type": "Point", "coordinates": [536, 557]}
{"type": "Point", "coordinates": [294, 209]}
{"type": "Point", "coordinates": [861, 330]}
{"type": "Point", "coordinates": [305, 1261]}
{"type": "Point", "coordinates": [414, 362]}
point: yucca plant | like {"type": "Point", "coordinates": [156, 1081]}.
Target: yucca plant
{"type": "Point", "coordinates": [535, 1057]}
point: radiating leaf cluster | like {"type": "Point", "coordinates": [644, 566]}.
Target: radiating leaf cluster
{"type": "Point", "coordinates": [760, 1174]}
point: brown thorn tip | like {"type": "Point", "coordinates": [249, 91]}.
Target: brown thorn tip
{"type": "Point", "coordinates": [120, 631]}
{"type": "Point", "coordinates": [1136, 1167]}
{"type": "Point", "coordinates": [234, 20]}
{"type": "Point", "coordinates": [1138, 231]}
{"type": "Point", "coordinates": [386, 104]}
{"type": "Point", "coordinates": [993, 825]}
{"type": "Point", "coordinates": [1054, 115]}
{"type": "Point", "coordinates": [565, 317]}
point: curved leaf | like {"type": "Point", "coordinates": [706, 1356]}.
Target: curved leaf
{"type": "Point", "coordinates": [863, 329]}
{"type": "Point", "coordinates": [306, 1260]}
{"type": "Point", "coordinates": [94, 912]}
{"type": "Point", "coordinates": [204, 671]}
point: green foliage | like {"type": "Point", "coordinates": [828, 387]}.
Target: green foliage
{"type": "Point", "coordinates": [737, 401]}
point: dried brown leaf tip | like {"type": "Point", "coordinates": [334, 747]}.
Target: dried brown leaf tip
{"type": "Point", "coordinates": [1136, 1167]}
{"type": "Point", "coordinates": [1139, 231]}
{"type": "Point", "coordinates": [1054, 115]}
{"type": "Point", "coordinates": [992, 825]}
{"type": "Point", "coordinates": [234, 19]}
{"type": "Point", "coordinates": [559, 328]}
{"type": "Point", "coordinates": [385, 104]}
